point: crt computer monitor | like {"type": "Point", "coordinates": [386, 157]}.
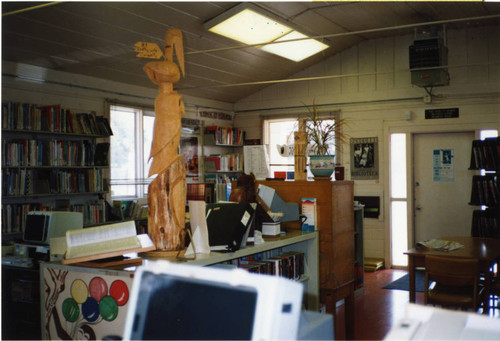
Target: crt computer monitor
{"type": "Point", "coordinates": [40, 226]}
{"type": "Point", "coordinates": [172, 301]}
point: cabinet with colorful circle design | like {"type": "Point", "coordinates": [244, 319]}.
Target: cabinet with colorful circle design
{"type": "Point", "coordinates": [81, 303]}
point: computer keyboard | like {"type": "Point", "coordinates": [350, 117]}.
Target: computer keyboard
{"type": "Point", "coordinates": [17, 261]}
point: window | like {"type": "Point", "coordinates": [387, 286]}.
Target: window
{"type": "Point", "coordinates": [483, 134]}
{"type": "Point", "coordinates": [130, 147]}
{"type": "Point", "coordinates": [399, 200]}
{"type": "Point", "coordinates": [279, 133]}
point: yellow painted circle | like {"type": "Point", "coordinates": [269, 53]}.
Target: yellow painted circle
{"type": "Point", "coordinates": [79, 291]}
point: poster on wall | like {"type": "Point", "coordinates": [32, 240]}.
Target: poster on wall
{"type": "Point", "coordinates": [189, 151]}
{"type": "Point", "coordinates": [364, 158]}
{"type": "Point", "coordinates": [83, 306]}
{"type": "Point", "coordinates": [256, 161]}
{"type": "Point", "coordinates": [443, 165]}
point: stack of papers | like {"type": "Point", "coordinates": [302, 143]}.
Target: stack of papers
{"type": "Point", "coordinates": [439, 244]}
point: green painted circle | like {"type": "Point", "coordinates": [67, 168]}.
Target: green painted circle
{"type": "Point", "coordinates": [108, 308]}
{"type": "Point", "coordinates": [70, 310]}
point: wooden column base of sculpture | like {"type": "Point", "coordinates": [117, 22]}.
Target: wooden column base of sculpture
{"type": "Point", "coordinates": [167, 207]}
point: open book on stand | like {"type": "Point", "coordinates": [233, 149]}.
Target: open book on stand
{"type": "Point", "coordinates": [104, 241]}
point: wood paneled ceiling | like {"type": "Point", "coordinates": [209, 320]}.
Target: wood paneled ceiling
{"type": "Point", "coordinates": [97, 38]}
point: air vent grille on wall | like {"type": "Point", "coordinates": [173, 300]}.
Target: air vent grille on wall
{"type": "Point", "coordinates": [428, 53]}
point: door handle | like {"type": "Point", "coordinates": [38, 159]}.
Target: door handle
{"type": "Point", "coordinates": [418, 208]}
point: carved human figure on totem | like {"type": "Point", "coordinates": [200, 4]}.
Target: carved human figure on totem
{"type": "Point", "coordinates": [167, 192]}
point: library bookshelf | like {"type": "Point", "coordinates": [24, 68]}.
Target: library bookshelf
{"type": "Point", "coordinates": [222, 159]}
{"type": "Point", "coordinates": [52, 160]}
{"type": "Point", "coordinates": [222, 150]}
{"type": "Point", "coordinates": [485, 157]}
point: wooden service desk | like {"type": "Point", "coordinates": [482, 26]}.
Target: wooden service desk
{"type": "Point", "coordinates": [335, 221]}
{"type": "Point", "coordinates": [486, 250]}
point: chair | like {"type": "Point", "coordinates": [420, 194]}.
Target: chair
{"type": "Point", "coordinates": [456, 282]}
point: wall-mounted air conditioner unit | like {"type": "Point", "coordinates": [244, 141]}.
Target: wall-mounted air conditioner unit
{"type": "Point", "coordinates": [426, 57]}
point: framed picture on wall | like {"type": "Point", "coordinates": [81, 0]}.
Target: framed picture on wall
{"type": "Point", "coordinates": [364, 158]}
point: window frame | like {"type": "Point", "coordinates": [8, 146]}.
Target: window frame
{"type": "Point", "coordinates": [267, 137]}
{"type": "Point", "coordinates": [331, 115]}
{"type": "Point", "coordinates": [141, 181]}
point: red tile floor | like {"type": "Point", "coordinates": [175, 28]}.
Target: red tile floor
{"type": "Point", "coordinates": [377, 310]}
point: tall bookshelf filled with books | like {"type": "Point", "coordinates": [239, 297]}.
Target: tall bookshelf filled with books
{"type": "Point", "coordinates": [52, 159]}
{"type": "Point", "coordinates": [222, 158]}
{"type": "Point", "coordinates": [485, 156]}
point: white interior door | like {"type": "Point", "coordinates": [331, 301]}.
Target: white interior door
{"type": "Point", "coordinates": [442, 185]}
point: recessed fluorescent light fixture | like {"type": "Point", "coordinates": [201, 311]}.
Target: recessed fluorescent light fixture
{"type": "Point", "coordinates": [245, 24]}
{"type": "Point", "coordinates": [295, 50]}
{"type": "Point", "coordinates": [250, 27]}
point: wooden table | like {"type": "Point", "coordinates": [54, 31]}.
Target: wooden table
{"type": "Point", "coordinates": [486, 250]}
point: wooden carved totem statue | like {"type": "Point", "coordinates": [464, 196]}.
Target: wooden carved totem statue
{"type": "Point", "coordinates": [299, 151]}
{"type": "Point", "coordinates": [167, 192]}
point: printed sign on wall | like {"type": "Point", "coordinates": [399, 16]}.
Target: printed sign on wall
{"type": "Point", "coordinates": [364, 158]}
{"type": "Point", "coordinates": [443, 165]}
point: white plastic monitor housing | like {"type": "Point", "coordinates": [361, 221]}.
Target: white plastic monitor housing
{"type": "Point", "coordinates": [43, 225]}
{"type": "Point", "coordinates": [182, 301]}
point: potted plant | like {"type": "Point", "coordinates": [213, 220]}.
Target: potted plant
{"type": "Point", "coordinates": [323, 136]}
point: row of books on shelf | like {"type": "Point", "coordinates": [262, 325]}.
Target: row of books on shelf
{"type": "Point", "coordinates": [221, 178]}
{"type": "Point", "coordinates": [14, 215]}
{"type": "Point", "coordinates": [486, 154]}
{"type": "Point", "coordinates": [93, 212]}
{"type": "Point", "coordinates": [485, 190]}
{"type": "Point", "coordinates": [289, 264]}
{"type": "Point", "coordinates": [486, 223]}
{"type": "Point", "coordinates": [225, 162]}
{"type": "Point", "coordinates": [23, 181]}
{"type": "Point", "coordinates": [208, 192]}
{"type": "Point", "coordinates": [54, 153]}
{"type": "Point", "coordinates": [130, 209]}
{"type": "Point", "coordinates": [215, 135]}
{"type": "Point", "coordinates": [52, 118]}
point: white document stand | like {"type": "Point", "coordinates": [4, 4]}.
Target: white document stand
{"type": "Point", "coordinates": [429, 323]}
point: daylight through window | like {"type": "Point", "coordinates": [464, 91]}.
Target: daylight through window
{"type": "Point", "coordinates": [130, 147]}
{"type": "Point", "coordinates": [281, 140]}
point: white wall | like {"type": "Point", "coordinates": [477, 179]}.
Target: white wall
{"type": "Point", "coordinates": [82, 93]}
{"type": "Point", "coordinates": [376, 99]}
